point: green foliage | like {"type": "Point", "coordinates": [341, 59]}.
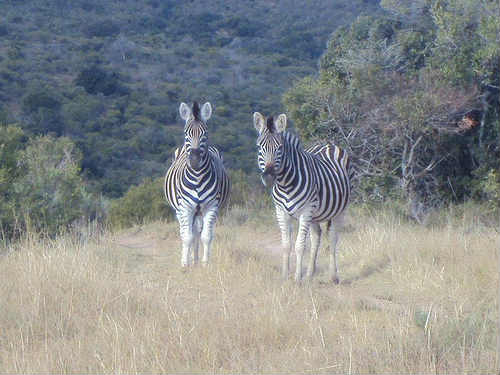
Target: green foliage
{"type": "Point", "coordinates": [142, 203]}
{"type": "Point", "coordinates": [34, 101]}
{"type": "Point", "coordinates": [104, 28]}
{"type": "Point", "coordinates": [40, 185]}
{"type": "Point", "coordinates": [399, 92]}
{"type": "Point", "coordinates": [303, 107]}
{"type": "Point", "coordinates": [11, 143]}
{"type": "Point", "coordinates": [50, 190]}
{"type": "Point", "coordinates": [95, 80]}
{"type": "Point", "coordinates": [114, 84]}
{"type": "Point", "coordinates": [42, 108]}
{"type": "Point", "coordinates": [247, 191]}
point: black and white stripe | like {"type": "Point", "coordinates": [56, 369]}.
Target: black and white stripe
{"type": "Point", "coordinates": [311, 185]}
{"type": "Point", "coordinates": [196, 184]}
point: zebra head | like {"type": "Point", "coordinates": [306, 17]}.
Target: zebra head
{"type": "Point", "coordinates": [195, 132]}
{"type": "Point", "coordinates": [270, 146]}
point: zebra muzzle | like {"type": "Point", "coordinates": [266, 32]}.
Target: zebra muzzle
{"type": "Point", "coordinates": [194, 158]}
{"type": "Point", "coordinates": [268, 177]}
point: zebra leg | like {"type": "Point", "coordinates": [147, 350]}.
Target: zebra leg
{"type": "Point", "coordinates": [300, 243]}
{"type": "Point", "coordinates": [185, 217]}
{"type": "Point", "coordinates": [333, 240]}
{"type": "Point", "coordinates": [315, 243]}
{"type": "Point", "coordinates": [197, 226]}
{"type": "Point", "coordinates": [285, 224]}
{"type": "Point", "coordinates": [209, 219]}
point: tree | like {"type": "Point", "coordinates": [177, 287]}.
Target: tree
{"type": "Point", "coordinates": [11, 143]}
{"type": "Point", "coordinates": [50, 191]}
{"type": "Point", "coordinates": [410, 120]}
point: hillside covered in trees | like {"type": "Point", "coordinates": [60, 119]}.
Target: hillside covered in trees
{"type": "Point", "coordinates": [111, 74]}
{"type": "Point", "coordinates": [89, 96]}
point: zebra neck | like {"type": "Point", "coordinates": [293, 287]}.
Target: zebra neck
{"type": "Point", "coordinates": [203, 168]}
{"type": "Point", "coordinates": [292, 150]}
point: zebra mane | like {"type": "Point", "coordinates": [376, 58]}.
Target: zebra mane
{"type": "Point", "coordinates": [270, 124]}
{"type": "Point", "coordinates": [292, 140]}
{"type": "Point", "coordinates": [196, 110]}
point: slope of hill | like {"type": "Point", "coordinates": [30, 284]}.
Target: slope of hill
{"type": "Point", "coordinates": [111, 74]}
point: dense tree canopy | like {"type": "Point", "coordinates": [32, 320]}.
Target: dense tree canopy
{"type": "Point", "coordinates": [413, 94]}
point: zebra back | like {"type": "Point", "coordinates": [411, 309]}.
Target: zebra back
{"type": "Point", "coordinates": [335, 155]}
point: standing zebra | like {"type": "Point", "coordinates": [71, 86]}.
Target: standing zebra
{"type": "Point", "coordinates": [196, 184]}
{"type": "Point", "coordinates": [311, 185]}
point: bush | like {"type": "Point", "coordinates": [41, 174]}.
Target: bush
{"type": "Point", "coordinates": [102, 29]}
{"type": "Point", "coordinates": [95, 80]}
{"type": "Point", "coordinates": [247, 191]}
{"type": "Point", "coordinates": [11, 143]}
{"type": "Point", "coordinates": [32, 102]}
{"type": "Point", "coordinates": [49, 194]}
{"type": "Point", "coordinates": [140, 204]}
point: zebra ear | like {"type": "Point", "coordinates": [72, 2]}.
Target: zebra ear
{"type": "Point", "coordinates": [206, 111]}
{"type": "Point", "coordinates": [280, 123]}
{"type": "Point", "coordinates": [258, 121]}
{"type": "Point", "coordinates": [184, 111]}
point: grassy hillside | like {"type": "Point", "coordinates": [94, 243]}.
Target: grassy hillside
{"type": "Point", "coordinates": [111, 74]}
{"type": "Point", "coordinates": [411, 300]}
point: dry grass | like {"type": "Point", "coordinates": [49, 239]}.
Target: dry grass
{"type": "Point", "coordinates": [411, 300]}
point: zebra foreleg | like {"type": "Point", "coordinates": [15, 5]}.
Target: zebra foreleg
{"type": "Point", "coordinates": [197, 227]}
{"type": "Point", "coordinates": [285, 224]}
{"type": "Point", "coordinates": [300, 243]}
{"type": "Point", "coordinates": [185, 218]}
{"type": "Point", "coordinates": [315, 243]}
{"type": "Point", "coordinates": [209, 220]}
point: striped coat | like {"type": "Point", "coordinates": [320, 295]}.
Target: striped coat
{"type": "Point", "coordinates": [311, 185]}
{"type": "Point", "coordinates": [196, 184]}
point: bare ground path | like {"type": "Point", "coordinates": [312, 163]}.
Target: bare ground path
{"type": "Point", "coordinates": [155, 249]}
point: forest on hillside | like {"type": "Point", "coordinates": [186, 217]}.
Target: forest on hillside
{"type": "Point", "coordinates": [110, 75]}
{"type": "Point", "coordinates": [89, 96]}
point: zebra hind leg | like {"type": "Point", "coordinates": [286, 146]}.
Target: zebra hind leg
{"type": "Point", "coordinates": [315, 243]}
{"type": "Point", "coordinates": [300, 243]}
{"type": "Point", "coordinates": [333, 237]}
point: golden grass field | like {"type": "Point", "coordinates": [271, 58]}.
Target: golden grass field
{"type": "Point", "coordinates": [412, 299]}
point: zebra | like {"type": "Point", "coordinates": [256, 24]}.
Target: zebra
{"type": "Point", "coordinates": [311, 185]}
{"type": "Point", "coordinates": [196, 184]}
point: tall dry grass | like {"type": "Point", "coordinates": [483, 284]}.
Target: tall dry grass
{"type": "Point", "coordinates": [411, 300]}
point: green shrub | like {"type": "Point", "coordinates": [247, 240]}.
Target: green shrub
{"type": "Point", "coordinates": [247, 191]}
{"type": "Point", "coordinates": [102, 29]}
{"type": "Point", "coordinates": [11, 143]}
{"type": "Point", "coordinates": [95, 80]}
{"type": "Point", "coordinates": [49, 194]}
{"type": "Point", "coordinates": [142, 203]}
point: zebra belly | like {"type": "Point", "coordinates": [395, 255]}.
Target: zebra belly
{"type": "Point", "coordinates": [317, 214]}
{"type": "Point", "coordinates": [325, 204]}
{"type": "Point", "coordinates": [294, 209]}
